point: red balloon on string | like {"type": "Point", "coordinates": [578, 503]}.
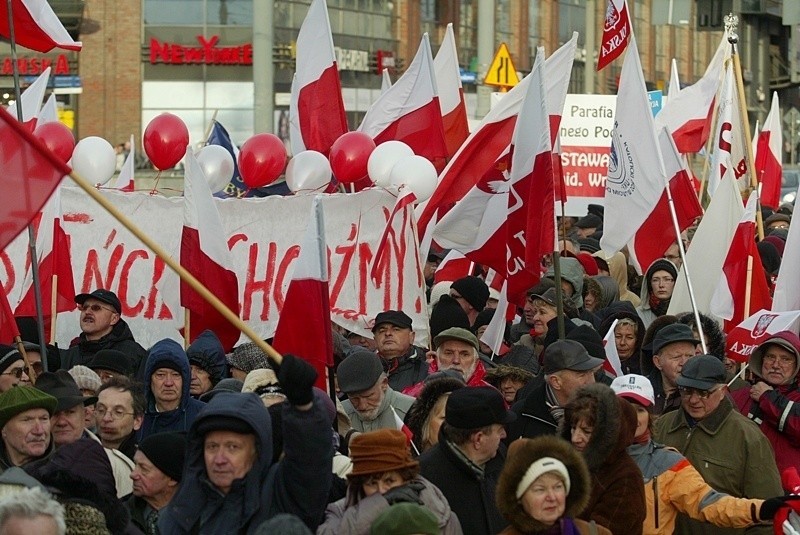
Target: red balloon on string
{"type": "Point", "coordinates": [262, 159]}
{"type": "Point", "coordinates": [349, 156]}
{"type": "Point", "coordinates": [58, 138]}
{"type": "Point", "coordinates": [165, 140]}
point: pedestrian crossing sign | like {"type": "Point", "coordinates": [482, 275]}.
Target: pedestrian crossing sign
{"type": "Point", "coordinates": [502, 73]}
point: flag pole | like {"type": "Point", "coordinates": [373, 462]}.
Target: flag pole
{"type": "Point", "coordinates": [322, 254]}
{"type": "Point", "coordinates": [733, 39]}
{"type": "Point", "coordinates": [209, 127]}
{"type": "Point", "coordinates": [748, 286]}
{"type": "Point", "coordinates": [559, 295]}
{"type": "Point", "coordinates": [37, 291]}
{"type": "Point", "coordinates": [53, 307]}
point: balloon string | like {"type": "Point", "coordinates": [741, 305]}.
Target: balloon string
{"type": "Point", "coordinates": [155, 185]}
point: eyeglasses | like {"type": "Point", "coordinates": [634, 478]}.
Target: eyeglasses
{"type": "Point", "coordinates": [687, 392]}
{"type": "Point", "coordinates": [783, 360]}
{"type": "Point", "coordinates": [16, 372]}
{"type": "Point", "coordinates": [95, 308]}
{"type": "Point", "coordinates": [665, 280]}
{"type": "Point", "coordinates": [116, 414]}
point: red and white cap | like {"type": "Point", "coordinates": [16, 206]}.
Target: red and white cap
{"type": "Point", "coordinates": [634, 387]}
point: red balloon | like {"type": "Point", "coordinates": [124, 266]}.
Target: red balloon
{"type": "Point", "coordinates": [349, 156]}
{"type": "Point", "coordinates": [58, 138]}
{"type": "Point", "coordinates": [165, 140]}
{"type": "Point", "coordinates": [262, 159]}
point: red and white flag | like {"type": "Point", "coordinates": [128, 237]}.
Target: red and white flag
{"type": "Point", "coordinates": [485, 150]}
{"type": "Point", "coordinates": [612, 365]}
{"type": "Point", "coordinates": [674, 80]}
{"type": "Point", "coordinates": [125, 179]}
{"type": "Point", "coordinates": [506, 221]}
{"type": "Point", "coordinates": [657, 232]}
{"type": "Point", "coordinates": [386, 81]}
{"type": "Point", "coordinates": [49, 111]}
{"type": "Point", "coordinates": [616, 29]}
{"type": "Point", "coordinates": [495, 332]}
{"type": "Point", "coordinates": [405, 198]}
{"type": "Point", "coordinates": [769, 167]}
{"type": "Point", "coordinates": [746, 336]}
{"type": "Point", "coordinates": [409, 111]}
{"type": "Point", "coordinates": [205, 254]}
{"type": "Point", "coordinates": [55, 268]}
{"type": "Point", "coordinates": [688, 115]}
{"type": "Point", "coordinates": [8, 325]}
{"type": "Point", "coordinates": [304, 324]}
{"type": "Point", "coordinates": [787, 285]}
{"type": "Point", "coordinates": [728, 301]}
{"type": "Point", "coordinates": [36, 26]}
{"type": "Point", "coordinates": [454, 266]}
{"type": "Point", "coordinates": [451, 93]}
{"type": "Point", "coordinates": [31, 99]}
{"type": "Point", "coordinates": [636, 176]}
{"type": "Point", "coordinates": [320, 114]}
{"type": "Point", "coordinates": [728, 149]}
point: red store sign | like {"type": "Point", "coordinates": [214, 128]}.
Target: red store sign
{"type": "Point", "coordinates": [205, 54]}
{"type": "Point", "coordinates": [36, 65]}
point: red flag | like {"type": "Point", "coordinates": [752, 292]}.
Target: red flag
{"type": "Point", "coordinates": [753, 331]}
{"type": "Point", "coordinates": [769, 169]}
{"type": "Point", "coordinates": [451, 93]}
{"type": "Point", "coordinates": [36, 26]}
{"type": "Point", "coordinates": [30, 175]}
{"type": "Point", "coordinates": [616, 29]}
{"type": "Point", "coordinates": [205, 254]}
{"type": "Point", "coordinates": [304, 324]}
{"type": "Point", "coordinates": [319, 113]}
{"type": "Point", "coordinates": [454, 266]}
{"type": "Point", "coordinates": [8, 325]}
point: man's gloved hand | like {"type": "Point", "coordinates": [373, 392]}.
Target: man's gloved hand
{"type": "Point", "coordinates": [296, 377]}
{"type": "Point", "coordinates": [771, 506]}
{"type": "Point", "coordinates": [406, 493]}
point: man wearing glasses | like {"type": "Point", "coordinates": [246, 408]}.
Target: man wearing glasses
{"type": "Point", "coordinates": [12, 369]}
{"type": "Point", "coordinates": [102, 327]}
{"type": "Point", "coordinates": [731, 454]}
{"type": "Point", "coordinates": [119, 412]}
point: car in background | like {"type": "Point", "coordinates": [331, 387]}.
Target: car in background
{"type": "Point", "coordinates": [789, 183]}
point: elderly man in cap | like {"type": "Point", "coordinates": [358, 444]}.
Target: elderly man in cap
{"type": "Point", "coordinates": [728, 450]}
{"type": "Point", "coordinates": [672, 347]}
{"type": "Point", "coordinates": [773, 401]}
{"type": "Point", "coordinates": [102, 327]}
{"type": "Point", "coordinates": [25, 427]}
{"type": "Point", "coordinates": [472, 293]}
{"type": "Point", "coordinates": [158, 471]}
{"type": "Point", "coordinates": [230, 484]}
{"type": "Point", "coordinates": [12, 368]}
{"type": "Point", "coordinates": [467, 461]}
{"type": "Point", "coordinates": [67, 424]}
{"type": "Point", "coordinates": [371, 403]}
{"type": "Point", "coordinates": [567, 367]}
{"type": "Point", "coordinates": [246, 358]}
{"type": "Point", "coordinates": [207, 361]}
{"type": "Point", "coordinates": [404, 362]}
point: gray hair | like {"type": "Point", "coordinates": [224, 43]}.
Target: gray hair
{"type": "Point", "coordinates": [32, 503]}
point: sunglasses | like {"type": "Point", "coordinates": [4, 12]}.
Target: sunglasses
{"type": "Point", "coordinates": [17, 372]}
{"type": "Point", "coordinates": [95, 308]}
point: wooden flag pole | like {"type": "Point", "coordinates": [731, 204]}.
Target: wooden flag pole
{"type": "Point", "coordinates": [53, 307]}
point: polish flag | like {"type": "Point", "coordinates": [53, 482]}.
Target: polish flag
{"type": "Point", "coordinates": [31, 99]}
{"type": "Point", "coordinates": [756, 329]}
{"type": "Point", "coordinates": [404, 200]}
{"type": "Point", "coordinates": [636, 177]}
{"type": "Point", "coordinates": [506, 221]}
{"type": "Point", "coordinates": [657, 232]}
{"type": "Point", "coordinates": [205, 254]}
{"type": "Point", "coordinates": [494, 334]}
{"type": "Point", "coordinates": [612, 366]}
{"type": "Point", "coordinates": [688, 115]}
{"type": "Point", "coordinates": [125, 179]}
{"type": "Point", "coordinates": [409, 111]}
{"type": "Point", "coordinates": [451, 93]}
{"type": "Point", "coordinates": [728, 301]}
{"type": "Point", "coordinates": [769, 168]}
{"type": "Point", "coordinates": [386, 81]}
{"type": "Point", "coordinates": [36, 26]}
{"type": "Point", "coordinates": [55, 268]}
{"type": "Point", "coordinates": [787, 285]}
{"type": "Point", "coordinates": [320, 109]}
{"type": "Point", "coordinates": [8, 325]}
{"type": "Point", "coordinates": [616, 29]}
{"type": "Point", "coordinates": [49, 111]}
{"type": "Point", "coordinates": [304, 323]}
{"type": "Point", "coordinates": [674, 80]}
{"type": "Point", "coordinates": [485, 150]}
{"type": "Point", "coordinates": [454, 266]}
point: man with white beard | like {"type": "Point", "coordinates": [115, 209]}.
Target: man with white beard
{"type": "Point", "coordinates": [371, 404]}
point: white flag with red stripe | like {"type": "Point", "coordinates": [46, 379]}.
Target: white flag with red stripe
{"type": "Point", "coordinates": [125, 179]}
{"type": "Point", "coordinates": [451, 93]}
{"type": "Point", "coordinates": [409, 111]}
{"type": "Point", "coordinates": [31, 99]}
{"type": "Point", "coordinates": [205, 254]}
{"type": "Point", "coordinates": [494, 334]}
{"type": "Point", "coordinates": [688, 114]}
{"type": "Point", "coordinates": [320, 115]}
{"type": "Point", "coordinates": [636, 176]}
{"type": "Point", "coordinates": [454, 266]}
{"type": "Point", "coordinates": [787, 285]}
{"type": "Point", "coordinates": [36, 26]}
{"type": "Point", "coordinates": [612, 365]}
{"type": "Point", "coordinates": [749, 334]}
{"type": "Point", "coordinates": [485, 150]}
{"type": "Point", "coordinates": [769, 167]}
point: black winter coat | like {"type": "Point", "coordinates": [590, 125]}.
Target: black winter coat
{"type": "Point", "coordinates": [120, 338]}
{"type": "Point", "coordinates": [533, 416]}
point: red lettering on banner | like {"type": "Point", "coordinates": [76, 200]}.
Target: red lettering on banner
{"type": "Point", "coordinates": [277, 289]}
{"type": "Point", "coordinates": [11, 276]}
{"type": "Point", "coordinates": [724, 144]}
{"type": "Point", "coordinates": [365, 257]}
{"type": "Point", "coordinates": [347, 252]}
{"type": "Point", "coordinates": [253, 286]}
{"type": "Point", "coordinates": [93, 276]}
{"type": "Point", "coordinates": [164, 313]}
{"type": "Point", "coordinates": [127, 308]}
{"type": "Point", "coordinates": [585, 170]}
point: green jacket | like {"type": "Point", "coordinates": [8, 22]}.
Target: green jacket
{"type": "Point", "coordinates": [731, 454]}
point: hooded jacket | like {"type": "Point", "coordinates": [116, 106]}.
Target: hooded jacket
{"type": "Point", "coordinates": [298, 484]}
{"type": "Point", "coordinates": [120, 338]}
{"type": "Point", "coordinates": [617, 499]}
{"type": "Point", "coordinates": [616, 311]}
{"type": "Point", "coordinates": [644, 309]}
{"type": "Point", "coordinates": [523, 453]}
{"type": "Point", "coordinates": [421, 409]}
{"type": "Point", "coordinates": [207, 352]}
{"type": "Point", "coordinates": [618, 269]}
{"type": "Point", "coordinates": [168, 353]}
{"type": "Point", "coordinates": [572, 272]}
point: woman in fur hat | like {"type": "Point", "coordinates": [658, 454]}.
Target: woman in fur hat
{"type": "Point", "coordinates": [544, 485]}
{"type": "Point", "coordinates": [508, 380]}
{"type": "Point", "coordinates": [426, 415]}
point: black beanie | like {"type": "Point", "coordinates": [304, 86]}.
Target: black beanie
{"type": "Point", "coordinates": [167, 452]}
{"type": "Point", "coordinates": [662, 264]}
{"type": "Point", "coordinates": [474, 290]}
{"type": "Point", "coordinates": [445, 314]}
{"type": "Point", "coordinates": [589, 339]}
{"type": "Point", "coordinates": [8, 356]}
{"type": "Point", "coordinates": [484, 317]}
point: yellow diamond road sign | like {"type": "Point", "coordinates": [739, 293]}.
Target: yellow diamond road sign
{"type": "Point", "coordinates": [502, 72]}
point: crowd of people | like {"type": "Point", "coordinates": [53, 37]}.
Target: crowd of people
{"type": "Point", "coordinates": [106, 436]}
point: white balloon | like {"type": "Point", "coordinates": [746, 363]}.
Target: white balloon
{"type": "Point", "coordinates": [416, 173]}
{"type": "Point", "coordinates": [308, 171]}
{"type": "Point", "coordinates": [382, 160]}
{"type": "Point", "coordinates": [217, 164]}
{"type": "Point", "coordinates": [94, 159]}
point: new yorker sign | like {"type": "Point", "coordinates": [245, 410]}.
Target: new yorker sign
{"type": "Point", "coordinates": [207, 53]}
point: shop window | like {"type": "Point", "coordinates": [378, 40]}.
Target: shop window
{"type": "Point", "coordinates": [174, 12]}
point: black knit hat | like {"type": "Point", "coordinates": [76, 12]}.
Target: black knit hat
{"type": "Point", "coordinates": [473, 290]}
{"type": "Point", "coordinates": [112, 360]}
{"type": "Point", "coordinates": [166, 451]}
{"type": "Point", "coordinates": [662, 264]}
{"type": "Point", "coordinates": [445, 314]}
{"type": "Point", "coordinates": [8, 356]}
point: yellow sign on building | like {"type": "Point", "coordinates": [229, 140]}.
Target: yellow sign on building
{"type": "Point", "coordinates": [502, 73]}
